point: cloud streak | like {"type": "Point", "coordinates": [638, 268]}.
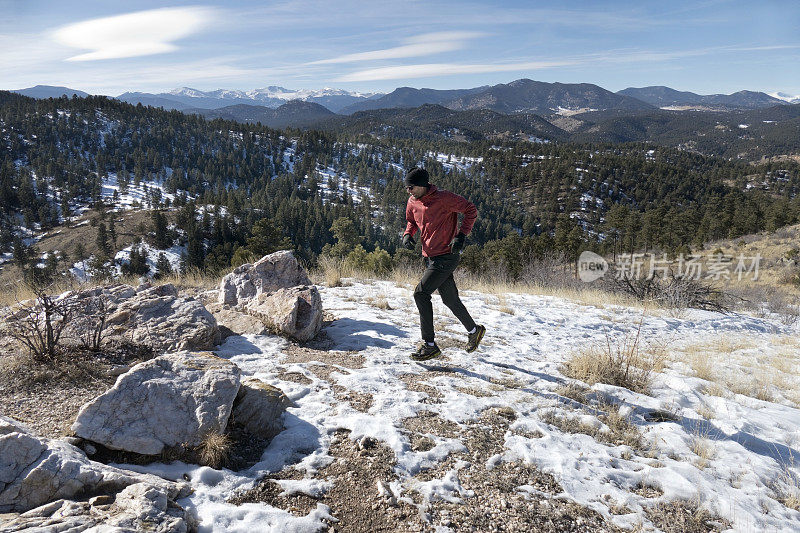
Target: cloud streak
{"type": "Point", "coordinates": [446, 69]}
{"type": "Point", "coordinates": [133, 34]}
{"type": "Point", "coordinates": [419, 45]}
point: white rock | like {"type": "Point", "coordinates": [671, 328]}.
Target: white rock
{"type": "Point", "coordinates": [170, 400]}
{"type": "Point", "coordinates": [270, 273]}
{"type": "Point", "coordinates": [34, 472]}
{"type": "Point", "coordinates": [9, 425]}
{"type": "Point", "coordinates": [295, 312]}
{"type": "Point", "coordinates": [159, 318]}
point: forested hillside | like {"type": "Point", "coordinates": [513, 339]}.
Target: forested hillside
{"type": "Point", "coordinates": [218, 179]}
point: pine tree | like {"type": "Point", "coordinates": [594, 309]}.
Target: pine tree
{"type": "Point", "coordinates": [162, 239]}
{"type": "Point", "coordinates": [102, 239]}
{"type": "Point", "coordinates": [163, 266]}
{"type": "Point", "coordinates": [112, 230]}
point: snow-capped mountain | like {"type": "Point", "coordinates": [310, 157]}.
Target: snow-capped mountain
{"type": "Point", "coordinates": [792, 99]}
{"type": "Point", "coordinates": [272, 96]}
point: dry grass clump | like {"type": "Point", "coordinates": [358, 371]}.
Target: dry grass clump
{"type": "Point", "coordinates": [330, 271]}
{"type": "Point", "coordinates": [703, 447]}
{"type": "Point", "coordinates": [214, 450]}
{"type": "Point", "coordinates": [380, 302]}
{"type": "Point", "coordinates": [573, 391]}
{"type": "Point", "coordinates": [622, 363]}
{"type": "Point", "coordinates": [504, 307]}
{"type": "Point", "coordinates": [706, 412]}
{"type": "Point", "coordinates": [620, 430]}
{"type": "Point", "coordinates": [684, 516]}
{"type": "Point", "coordinates": [191, 279]}
{"type": "Point", "coordinates": [787, 487]}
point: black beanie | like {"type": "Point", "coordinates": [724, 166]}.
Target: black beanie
{"type": "Point", "coordinates": [417, 176]}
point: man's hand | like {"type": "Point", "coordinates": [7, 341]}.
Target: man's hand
{"type": "Point", "coordinates": [458, 243]}
{"type": "Point", "coordinates": [408, 242]}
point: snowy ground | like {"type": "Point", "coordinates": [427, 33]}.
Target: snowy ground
{"type": "Point", "coordinates": [731, 453]}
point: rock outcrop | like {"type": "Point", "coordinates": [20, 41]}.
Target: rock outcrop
{"type": "Point", "coordinates": [138, 507]}
{"type": "Point", "coordinates": [159, 318]}
{"type": "Point", "coordinates": [259, 408]}
{"type": "Point", "coordinates": [35, 471]}
{"type": "Point", "coordinates": [170, 400]}
{"type": "Point", "coordinates": [276, 290]}
{"type": "Point", "coordinates": [270, 273]}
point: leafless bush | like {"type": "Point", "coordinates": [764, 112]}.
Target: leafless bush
{"type": "Point", "coordinates": [89, 327]}
{"type": "Point", "coordinates": [551, 271]}
{"type": "Point", "coordinates": [39, 323]}
{"type": "Point", "coordinates": [673, 291]}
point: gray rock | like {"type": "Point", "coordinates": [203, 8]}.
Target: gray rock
{"type": "Point", "coordinates": [235, 322]}
{"type": "Point", "coordinates": [138, 507]}
{"type": "Point", "coordinates": [34, 472]}
{"type": "Point", "coordinates": [259, 408]}
{"type": "Point", "coordinates": [295, 312]}
{"type": "Point", "coordinates": [270, 273]}
{"type": "Point", "coordinates": [9, 425]}
{"type": "Point", "coordinates": [170, 400]}
{"type": "Point", "coordinates": [159, 318]}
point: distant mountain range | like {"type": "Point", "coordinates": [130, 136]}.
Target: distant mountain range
{"type": "Point", "coordinates": [520, 96]}
{"type": "Point", "coordinates": [50, 91]}
{"type": "Point", "coordinates": [523, 109]}
{"type": "Point", "coordinates": [272, 97]}
{"type": "Point", "coordinates": [295, 113]}
{"type": "Point", "coordinates": [660, 96]}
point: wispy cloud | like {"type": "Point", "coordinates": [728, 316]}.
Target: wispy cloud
{"type": "Point", "coordinates": [133, 34]}
{"type": "Point", "coordinates": [609, 57]}
{"type": "Point", "coordinates": [446, 69]}
{"type": "Point", "coordinates": [419, 45]}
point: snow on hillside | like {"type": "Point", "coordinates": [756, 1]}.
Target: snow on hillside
{"type": "Point", "coordinates": [734, 454]}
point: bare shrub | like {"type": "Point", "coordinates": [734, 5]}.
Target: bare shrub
{"type": "Point", "coordinates": [89, 327]}
{"type": "Point", "coordinates": [552, 270]}
{"type": "Point", "coordinates": [673, 292]}
{"type": "Point", "coordinates": [38, 324]}
{"type": "Point", "coordinates": [621, 363]}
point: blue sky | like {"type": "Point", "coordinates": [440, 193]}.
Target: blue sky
{"type": "Point", "coordinates": [704, 46]}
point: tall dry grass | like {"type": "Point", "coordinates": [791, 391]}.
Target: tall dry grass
{"type": "Point", "coordinates": [622, 362]}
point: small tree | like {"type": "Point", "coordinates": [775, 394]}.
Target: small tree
{"type": "Point", "coordinates": [163, 266]}
{"type": "Point", "coordinates": [137, 263]}
{"type": "Point", "coordinates": [38, 324]}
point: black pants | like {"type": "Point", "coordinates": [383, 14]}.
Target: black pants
{"type": "Point", "coordinates": [439, 275]}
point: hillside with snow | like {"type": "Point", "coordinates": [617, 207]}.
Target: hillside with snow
{"type": "Point", "coordinates": [502, 439]}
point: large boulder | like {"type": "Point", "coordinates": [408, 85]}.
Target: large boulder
{"type": "Point", "coordinates": [170, 400]}
{"type": "Point", "coordinates": [270, 273]}
{"type": "Point", "coordinates": [295, 312]}
{"type": "Point", "coordinates": [159, 318]}
{"type": "Point", "coordinates": [259, 408]}
{"type": "Point", "coordinates": [36, 471]}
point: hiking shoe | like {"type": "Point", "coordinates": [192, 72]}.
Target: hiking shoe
{"type": "Point", "coordinates": [475, 339]}
{"type": "Point", "coordinates": [425, 352]}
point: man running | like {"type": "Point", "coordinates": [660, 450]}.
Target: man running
{"type": "Point", "coordinates": [434, 213]}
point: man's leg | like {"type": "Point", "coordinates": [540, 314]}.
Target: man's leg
{"type": "Point", "coordinates": [436, 273]}
{"type": "Point", "coordinates": [449, 293]}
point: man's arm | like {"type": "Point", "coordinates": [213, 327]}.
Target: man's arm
{"type": "Point", "coordinates": [459, 204]}
{"type": "Point", "coordinates": [411, 225]}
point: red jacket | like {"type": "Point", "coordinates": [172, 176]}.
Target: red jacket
{"type": "Point", "coordinates": [435, 215]}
